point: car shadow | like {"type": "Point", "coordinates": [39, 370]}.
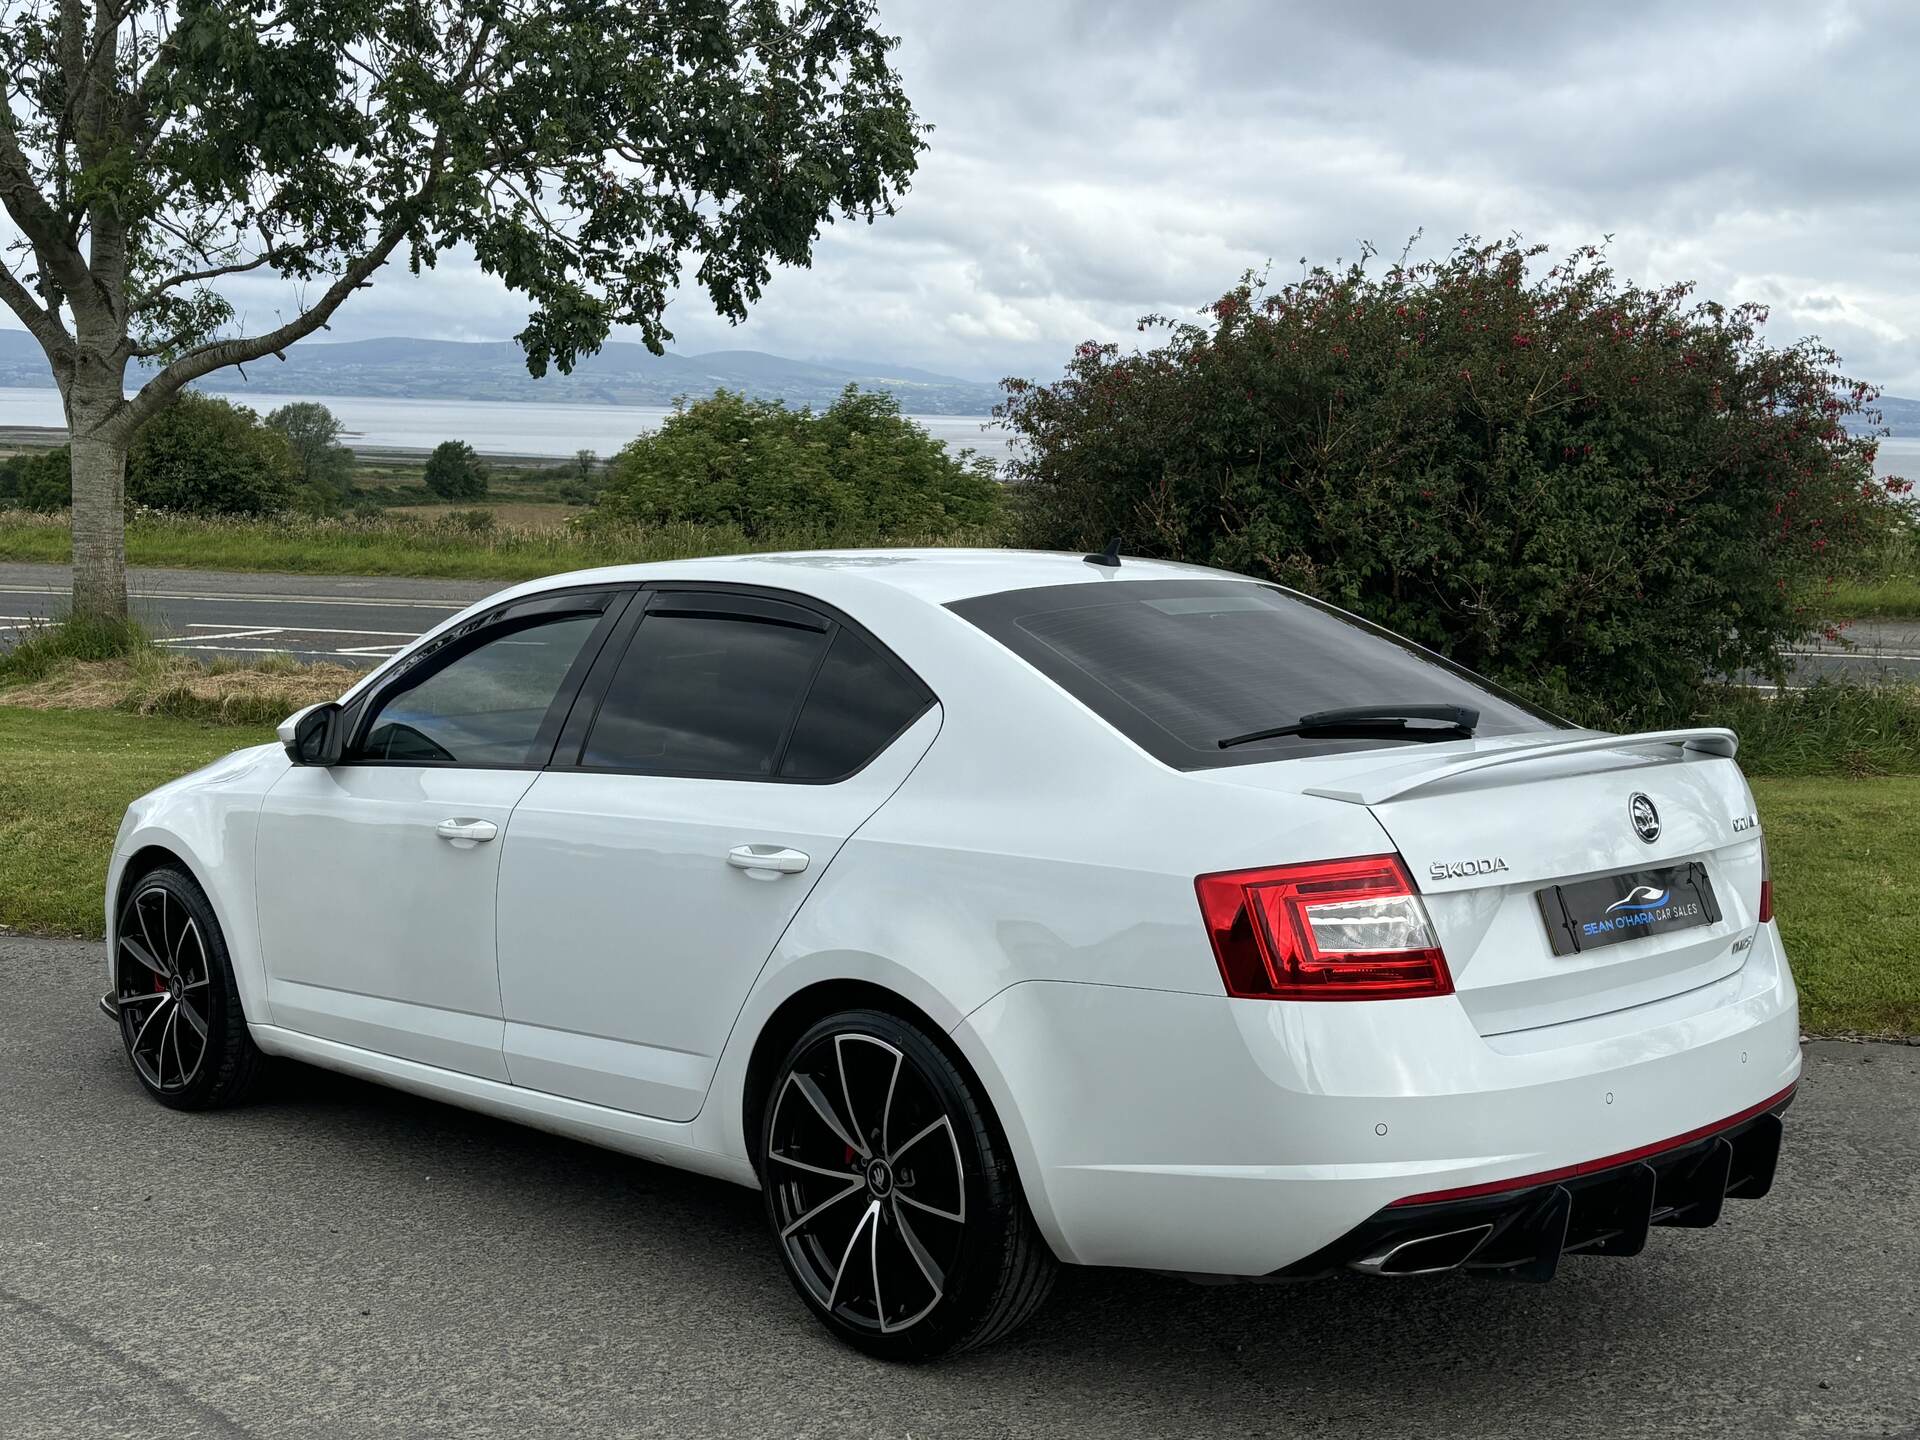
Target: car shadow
{"type": "Point", "coordinates": [1473, 1346]}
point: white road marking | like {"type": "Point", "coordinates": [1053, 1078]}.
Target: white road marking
{"type": "Point", "coordinates": [450, 606]}
{"type": "Point", "coordinates": [1855, 654]}
{"type": "Point", "coordinates": [311, 630]}
{"type": "Point", "coordinates": [272, 650]}
{"type": "Point", "coordinates": [222, 635]}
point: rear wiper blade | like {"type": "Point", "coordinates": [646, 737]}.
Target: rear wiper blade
{"type": "Point", "coordinates": [1457, 722]}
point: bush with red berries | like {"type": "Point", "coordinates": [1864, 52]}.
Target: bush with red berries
{"type": "Point", "coordinates": [1601, 492]}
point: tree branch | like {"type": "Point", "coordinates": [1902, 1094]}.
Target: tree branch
{"type": "Point", "coordinates": [43, 324]}
{"type": "Point", "coordinates": [191, 277]}
{"type": "Point", "coordinates": [218, 354]}
{"type": "Point", "coordinates": [38, 220]}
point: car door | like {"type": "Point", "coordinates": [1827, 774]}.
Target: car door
{"type": "Point", "coordinates": [378, 875]}
{"type": "Point", "coordinates": [718, 760]}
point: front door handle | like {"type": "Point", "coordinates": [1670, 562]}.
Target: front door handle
{"type": "Point", "coordinates": [767, 862]}
{"type": "Point", "coordinates": [465, 834]}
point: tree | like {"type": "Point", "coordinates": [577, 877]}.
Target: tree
{"type": "Point", "coordinates": [1555, 476]}
{"type": "Point", "coordinates": [859, 467]}
{"type": "Point", "coordinates": [313, 433]}
{"type": "Point", "coordinates": [581, 151]}
{"type": "Point", "coordinates": [455, 472]}
{"type": "Point", "coordinates": [202, 455]}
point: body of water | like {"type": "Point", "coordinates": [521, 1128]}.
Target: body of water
{"type": "Point", "coordinates": [1899, 455]}
{"type": "Point", "coordinates": [538, 428]}
{"type": "Point", "coordinates": [494, 428]}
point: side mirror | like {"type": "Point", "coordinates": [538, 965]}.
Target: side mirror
{"type": "Point", "coordinates": [314, 736]}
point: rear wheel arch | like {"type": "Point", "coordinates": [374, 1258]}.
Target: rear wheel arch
{"type": "Point", "coordinates": [791, 1018]}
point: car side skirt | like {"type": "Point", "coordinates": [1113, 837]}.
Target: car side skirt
{"type": "Point", "coordinates": [665, 1141]}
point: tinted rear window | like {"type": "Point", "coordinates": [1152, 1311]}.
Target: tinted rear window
{"type": "Point", "coordinates": [859, 701]}
{"type": "Point", "coordinates": [703, 695]}
{"type": "Point", "coordinates": [1178, 665]}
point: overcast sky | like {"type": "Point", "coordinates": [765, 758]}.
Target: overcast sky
{"type": "Point", "coordinates": [1094, 161]}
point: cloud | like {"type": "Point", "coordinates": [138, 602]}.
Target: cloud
{"type": "Point", "coordinates": [1094, 160]}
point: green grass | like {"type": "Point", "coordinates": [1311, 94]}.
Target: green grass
{"type": "Point", "coordinates": [1897, 597]}
{"type": "Point", "coordinates": [1825, 729]}
{"type": "Point", "coordinates": [66, 777]}
{"type": "Point", "coordinates": [46, 650]}
{"type": "Point", "coordinates": [1883, 583]}
{"type": "Point", "coordinates": [1847, 894]}
{"type": "Point", "coordinates": [445, 547]}
{"type": "Point", "coordinates": [1847, 888]}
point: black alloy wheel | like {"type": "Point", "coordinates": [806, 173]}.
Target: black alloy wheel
{"type": "Point", "coordinates": [892, 1194]}
{"type": "Point", "coordinates": [179, 1011]}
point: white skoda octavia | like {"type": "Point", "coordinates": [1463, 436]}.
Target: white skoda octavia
{"type": "Point", "coordinates": [988, 910]}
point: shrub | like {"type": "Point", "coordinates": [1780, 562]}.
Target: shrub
{"type": "Point", "coordinates": [202, 455]}
{"type": "Point", "coordinates": [468, 522]}
{"type": "Point", "coordinates": [456, 472]}
{"type": "Point", "coordinates": [40, 480]}
{"type": "Point", "coordinates": [859, 466]}
{"type": "Point", "coordinates": [326, 466]}
{"type": "Point", "coordinates": [1558, 478]}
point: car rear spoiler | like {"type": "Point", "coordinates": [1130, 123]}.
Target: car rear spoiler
{"type": "Point", "coordinates": [1386, 785]}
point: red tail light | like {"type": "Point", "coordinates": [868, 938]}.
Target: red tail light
{"type": "Point", "coordinates": [1766, 883]}
{"type": "Point", "coordinates": [1332, 930]}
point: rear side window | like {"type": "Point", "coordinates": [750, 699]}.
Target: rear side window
{"type": "Point", "coordinates": [859, 701]}
{"type": "Point", "coordinates": [1178, 665]}
{"type": "Point", "coordinates": [704, 695]}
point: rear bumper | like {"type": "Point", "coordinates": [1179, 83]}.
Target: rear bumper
{"type": "Point", "coordinates": [1208, 1135]}
{"type": "Point", "coordinates": [1519, 1230]}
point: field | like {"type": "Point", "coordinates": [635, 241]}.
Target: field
{"type": "Point", "coordinates": [1843, 851]}
{"type": "Point", "coordinates": [452, 543]}
{"type": "Point", "coordinates": [522, 539]}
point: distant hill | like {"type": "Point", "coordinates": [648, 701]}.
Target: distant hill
{"type": "Point", "coordinates": [621, 374]}
{"type": "Point", "coordinates": [1900, 416]}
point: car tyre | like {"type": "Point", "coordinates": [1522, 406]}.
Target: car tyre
{"type": "Point", "coordinates": [892, 1194]}
{"type": "Point", "coordinates": [179, 1009]}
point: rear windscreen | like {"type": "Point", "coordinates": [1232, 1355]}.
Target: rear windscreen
{"type": "Point", "coordinates": [1178, 665]}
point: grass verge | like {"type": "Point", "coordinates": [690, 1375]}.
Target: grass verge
{"type": "Point", "coordinates": [1848, 891]}
{"type": "Point", "coordinates": [114, 666]}
{"type": "Point", "coordinates": [1894, 598]}
{"type": "Point", "coordinates": [1825, 729]}
{"type": "Point", "coordinates": [459, 545]}
{"type": "Point", "coordinates": [66, 778]}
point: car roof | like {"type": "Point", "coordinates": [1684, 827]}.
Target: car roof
{"type": "Point", "coordinates": [935, 576]}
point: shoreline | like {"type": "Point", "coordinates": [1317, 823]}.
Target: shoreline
{"type": "Point", "coordinates": [18, 438]}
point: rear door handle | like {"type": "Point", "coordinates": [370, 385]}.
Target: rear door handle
{"type": "Point", "coordinates": [465, 834]}
{"type": "Point", "coordinates": [767, 862]}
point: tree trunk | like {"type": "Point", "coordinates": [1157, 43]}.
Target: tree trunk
{"type": "Point", "coordinates": [99, 505]}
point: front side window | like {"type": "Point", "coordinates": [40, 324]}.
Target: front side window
{"type": "Point", "coordinates": [484, 708]}
{"type": "Point", "coordinates": [1178, 665]}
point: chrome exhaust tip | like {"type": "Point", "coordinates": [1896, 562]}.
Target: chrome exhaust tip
{"type": "Point", "coordinates": [1426, 1254]}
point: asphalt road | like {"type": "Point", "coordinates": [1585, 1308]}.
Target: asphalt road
{"type": "Point", "coordinates": [352, 620]}
{"type": "Point", "coordinates": [360, 620]}
{"type": "Point", "coordinates": [338, 1259]}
